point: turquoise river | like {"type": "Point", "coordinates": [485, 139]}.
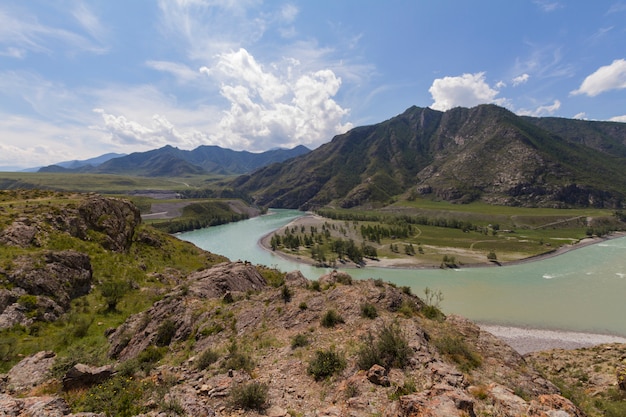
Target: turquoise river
{"type": "Point", "coordinates": [581, 290]}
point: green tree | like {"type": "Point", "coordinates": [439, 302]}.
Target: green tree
{"type": "Point", "coordinates": [113, 291]}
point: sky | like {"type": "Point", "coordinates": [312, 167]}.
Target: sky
{"type": "Point", "coordinates": [79, 79]}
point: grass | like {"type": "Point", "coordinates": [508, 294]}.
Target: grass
{"type": "Point", "coordinates": [101, 183]}
{"type": "Point", "coordinates": [89, 315]}
{"type": "Point", "coordinates": [509, 233]}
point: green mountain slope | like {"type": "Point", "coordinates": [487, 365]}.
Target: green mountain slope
{"type": "Point", "coordinates": [485, 153]}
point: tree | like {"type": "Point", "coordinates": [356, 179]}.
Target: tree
{"type": "Point", "coordinates": [113, 291]}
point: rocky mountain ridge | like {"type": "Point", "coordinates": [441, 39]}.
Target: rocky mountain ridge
{"type": "Point", "coordinates": [173, 162]}
{"type": "Point", "coordinates": [484, 153]}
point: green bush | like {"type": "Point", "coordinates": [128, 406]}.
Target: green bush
{"type": "Point", "coordinates": [455, 348]}
{"type": "Point", "coordinates": [249, 396]}
{"type": "Point", "coordinates": [331, 318]}
{"type": "Point", "coordinates": [299, 340]}
{"type": "Point", "coordinates": [165, 333]}
{"type": "Point", "coordinates": [368, 311]}
{"type": "Point", "coordinates": [238, 360]}
{"type": "Point", "coordinates": [388, 348]}
{"type": "Point", "coordinates": [286, 293]}
{"type": "Point", "coordinates": [315, 286]}
{"type": "Point", "coordinates": [145, 361]}
{"type": "Point", "coordinates": [326, 363]}
{"type": "Point", "coordinates": [206, 358]}
{"type": "Point", "coordinates": [119, 396]}
{"type": "Point", "coordinates": [113, 291]}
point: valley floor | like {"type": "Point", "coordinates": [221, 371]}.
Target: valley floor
{"type": "Point", "coordinates": [470, 257]}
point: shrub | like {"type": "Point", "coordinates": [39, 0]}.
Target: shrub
{"type": "Point", "coordinates": [326, 363]}
{"type": "Point", "coordinates": [455, 348]}
{"type": "Point", "coordinates": [388, 348]}
{"type": "Point", "coordinates": [368, 311]}
{"type": "Point", "coordinates": [250, 396]}
{"type": "Point", "coordinates": [113, 292]}
{"type": "Point", "coordinates": [286, 294]}
{"type": "Point", "coordinates": [407, 388]}
{"type": "Point", "coordinates": [303, 306]}
{"type": "Point", "coordinates": [238, 360]}
{"type": "Point", "coordinates": [118, 396]}
{"type": "Point", "coordinates": [331, 318]}
{"type": "Point", "coordinates": [206, 358]}
{"type": "Point", "coordinates": [165, 333]}
{"type": "Point", "coordinates": [432, 300]}
{"type": "Point", "coordinates": [315, 286]}
{"type": "Point", "coordinates": [299, 340]}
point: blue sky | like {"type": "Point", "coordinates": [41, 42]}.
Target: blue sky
{"type": "Point", "coordinates": [82, 78]}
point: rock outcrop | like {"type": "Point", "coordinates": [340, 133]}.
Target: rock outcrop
{"type": "Point", "coordinates": [43, 285]}
{"type": "Point", "coordinates": [113, 217]}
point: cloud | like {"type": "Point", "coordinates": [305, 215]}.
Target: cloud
{"type": "Point", "coordinates": [159, 132]}
{"type": "Point", "coordinates": [548, 5]}
{"type": "Point", "coordinates": [182, 73]}
{"type": "Point", "coordinates": [467, 90]}
{"type": "Point", "coordinates": [278, 105]}
{"type": "Point", "coordinates": [520, 79]}
{"type": "Point", "coordinates": [580, 116]}
{"type": "Point", "coordinates": [606, 78]}
{"type": "Point", "coordinates": [30, 142]}
{"type": "Point", "coordinates": [24, 32]}
{"type": "Point", "coordinates": [541, 110]}
{"type": "Point", "coordinates": [618, 119]}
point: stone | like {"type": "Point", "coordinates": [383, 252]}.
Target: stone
{"type": "Point", "coordinates": [31, 371]}
{"type": "Point", "coordinates": [83, 376]}
{"type": "Point", "coordinates": [378, 375]}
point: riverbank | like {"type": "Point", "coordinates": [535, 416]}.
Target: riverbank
{"type": "Point", "coordinates": [526, 340]}
{"type": "Point", "coordinates": [415, 262]}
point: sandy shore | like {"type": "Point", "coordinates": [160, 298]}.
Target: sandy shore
{"type": "Point", "coordinates": [525, 340]}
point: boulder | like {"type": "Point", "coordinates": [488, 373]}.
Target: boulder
{"type": "Point", "coordinates": [30, 371]}
{"type": "Point", "coordinates": [44, 406]}
{"type": "Point", "coordinates": [18, 234]}
{"type": "Point", "coordinates": [114, 217]}
{"type": "Point", "coordinates": [378, 375]}
{"type": "Point", "coordinates": [83, 376]}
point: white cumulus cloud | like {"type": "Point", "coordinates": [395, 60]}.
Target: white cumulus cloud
{"type": "Point", "coordinates": [605, 78]}
{"type": "Point", "coordinates": [467, 90]}
{"type": "Point", "coordinates": [159, 132]}
{"type": "Point", "coordinates": [621, 119]}
{"type": "Point", "coordinates": [278, 105]}
{"type": "Point", "coordinates": [520, 79]}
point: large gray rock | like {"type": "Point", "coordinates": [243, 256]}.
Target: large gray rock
{"type": "Point", "coordinates": [30, 371]}
{"type": "Point", "coordinates": [84, 376]}
{"type": "Point", "coordinates": [43, 286]}
{"type": "Point", "coordinates": [114, 217]}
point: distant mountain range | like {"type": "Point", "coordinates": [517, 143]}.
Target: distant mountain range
{"type": "Point", "coordinates": [169, 161]}
{"type": "Point", "coordinates": [483, 153]}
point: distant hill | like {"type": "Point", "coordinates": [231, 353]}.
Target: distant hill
{"type": "Point", "coordinates": [484, 153]}
{"type": "Point", "coordinates": [174, 162]}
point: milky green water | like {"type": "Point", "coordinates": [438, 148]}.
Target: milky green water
{"type": "Point", "coordinates": [582, 290]}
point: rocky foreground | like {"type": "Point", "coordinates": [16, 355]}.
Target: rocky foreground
{"type": "Point", "coordinates": [233, 338]}
{"type": "Point", "coordinates": [450, 366]}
